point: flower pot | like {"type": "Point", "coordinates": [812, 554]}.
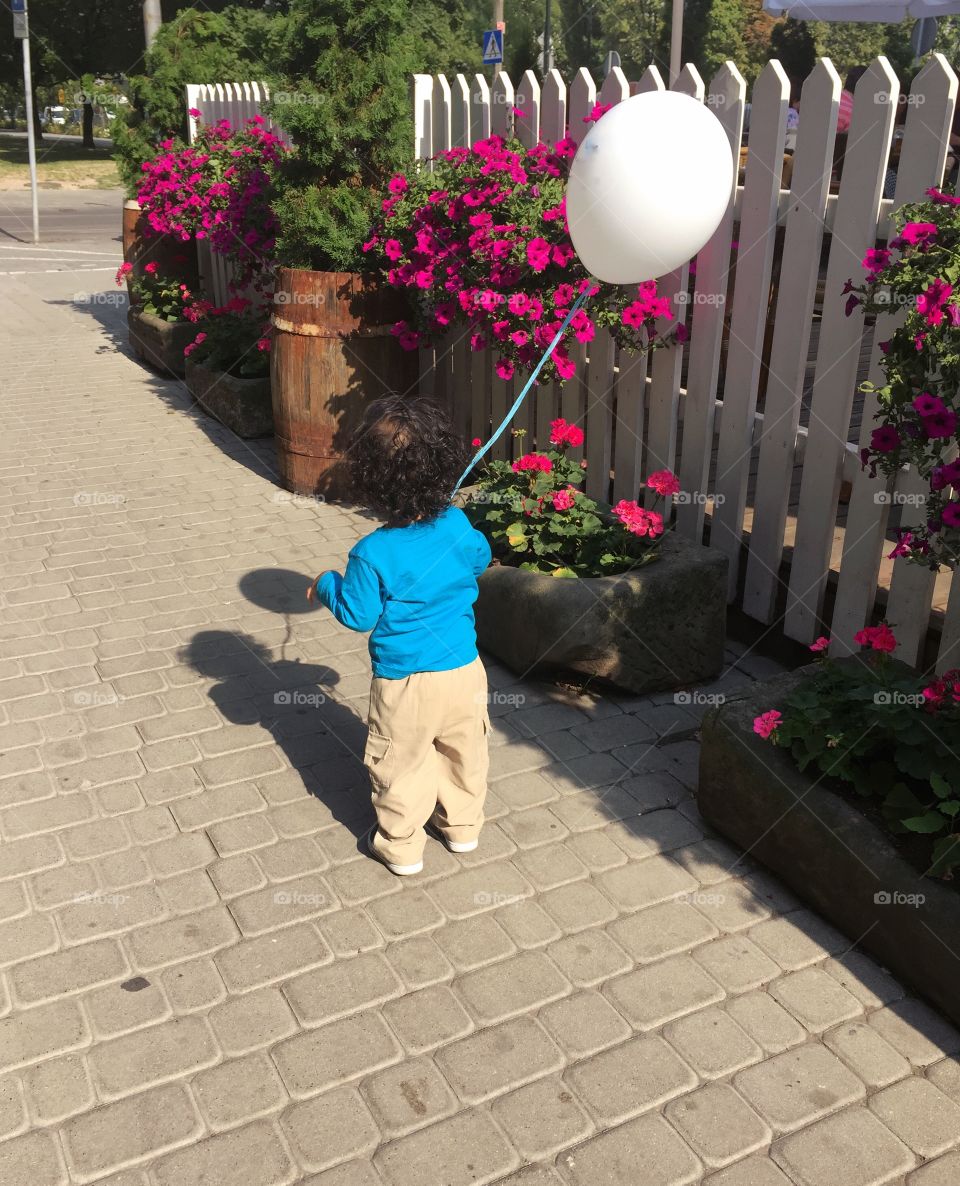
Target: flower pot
{"type": "Point", "coordinates": [141, 246]}
{"type": "Point", "coordinates": [825, 848]}
{"type": "Point", "coordinates": [242, 404]}
{"type": "Point", "coordinates": [659, 627]}
{"type": "Point", "coordinates": [332, 355]}
{"type": "Point", "coordinates": [158, 343]}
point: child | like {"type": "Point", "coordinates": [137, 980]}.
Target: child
{"type": "Point", "coordinates": [412, 583]}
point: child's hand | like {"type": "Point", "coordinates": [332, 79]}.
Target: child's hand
{"type": "Point", "coordinates": [312, 590]}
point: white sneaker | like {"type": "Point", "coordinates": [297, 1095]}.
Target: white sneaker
{"type": "Point", "coordinates": [452, 845]}
{"type": "Point", "coordinates": [399, 870]}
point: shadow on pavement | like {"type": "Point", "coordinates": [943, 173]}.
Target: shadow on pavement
{"type": "Point", "coordinates": [322, 739]}
{"type": "Point", "coordinates": [108, 308]}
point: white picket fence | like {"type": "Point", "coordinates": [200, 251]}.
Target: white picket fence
{"type": "Point", "coordinates": [634, 413]}
{"type": "Point", "coordinates": [236, 102]}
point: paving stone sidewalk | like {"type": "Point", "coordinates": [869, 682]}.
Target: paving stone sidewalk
{"type": "Point", "coordinates": [205, 981]}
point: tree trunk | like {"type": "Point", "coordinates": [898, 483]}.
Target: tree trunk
{"type": "Point", "coordinates": [88, 126]}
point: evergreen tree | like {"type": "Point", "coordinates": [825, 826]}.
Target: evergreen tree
{"type": "Point", "coordinates": [346, 66]}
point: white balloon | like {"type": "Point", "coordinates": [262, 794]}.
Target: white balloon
{"type": "Point", "coordinates": [648, 187]}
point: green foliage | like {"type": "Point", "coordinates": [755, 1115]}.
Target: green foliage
{"type": "Point", "coordinates": [235, 342]}
{"type": "Point", "coordinates": [345, 101]}
{"type": "Point", "coordinates": [235, 45]}
{"type": "Point", "coordinates": [161, 296]}
{"type": "Point", "coordinates": [868, 725]}
{"type": "Point", "coordinates": [537, 519]}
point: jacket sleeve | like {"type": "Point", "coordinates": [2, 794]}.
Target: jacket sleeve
{"type": "Point", "coordinates": [355, 599]}
{"type": "Point", "coordinates": [479, 551]}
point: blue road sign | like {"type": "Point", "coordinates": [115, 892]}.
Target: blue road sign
{"type": "Point", "coordinates": [493, 47]}
{"type": "Point", "coordinates": [18, 5]}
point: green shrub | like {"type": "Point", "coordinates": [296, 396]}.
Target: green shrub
{"type": "Point", "coordinates": [345, 101]}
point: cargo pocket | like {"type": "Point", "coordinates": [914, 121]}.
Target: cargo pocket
{"type": "Point", "coordinates": [376, 758]}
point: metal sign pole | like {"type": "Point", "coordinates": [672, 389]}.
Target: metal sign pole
{"type": "Point", "coordinates": [21, 32]}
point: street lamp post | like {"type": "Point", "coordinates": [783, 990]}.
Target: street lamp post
{"type": "Point", "coordinates": [22, 33]}
{"type": "Point", "coordinates": [152, 20]}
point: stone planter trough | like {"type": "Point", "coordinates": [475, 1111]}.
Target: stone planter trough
{"type": "Point", "coordinates": [243, 405]}
{"type": "Point", "coordinates": [826, 850]}
{"type": "Point", "coordinates": [660, 627]}
{"type": "Point", "coordinates": [160, 344]}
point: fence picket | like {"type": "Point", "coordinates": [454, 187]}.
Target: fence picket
{"type": "Point", "coordinates": [629, 393]}
{"type": "Point", "coordinates": [527, 120]}
{"type": "Point", "coordinates": [599, 415]}
{"type": "Point", "coordinates": [422, 116]}
{"type": "Point", "coordinates": [460, 113]}
{"type": "Point", "coordinates": [441, 113]}
{"type": "Point", "coordinates": [948, 656]}
{"type": "Point", "coordinates": [727, 96]}
{"type": "Point", "coordinates": [480, 425]}
{"type": "Point", "coordinates": [854, 231]}
{"type": "Point", "coordinates": [667, 362]}
{"type": "Point", "coordinates": [553, 108]}
{"type": "Point", "coordinates": [748, 319]}
{"type": "Point", "coordinates": [479, 109]}
{"type": "Point", "coordinates": [800, 269]}
{"type": "Point", "coordinates": [502, 101]}
{"type": "Point", "coordinates": [583, 97]}
{"type": "Point", "coordinates": [615, 87]}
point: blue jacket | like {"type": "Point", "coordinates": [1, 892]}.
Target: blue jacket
{"type": "Point", "coordinates": [414, 588]}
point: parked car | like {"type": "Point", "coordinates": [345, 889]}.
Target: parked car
{"type": "Point", "coordinates": [57, 116]}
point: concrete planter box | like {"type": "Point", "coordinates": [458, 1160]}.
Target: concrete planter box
{"type": "Point", "coordinates": [654, 629]}
{"type": "Point", "coordinates": [160, 344]}
{"type": "Point", "coordinates": [243, 405]}
{"type": "Point", "coordinates": [829, 853]}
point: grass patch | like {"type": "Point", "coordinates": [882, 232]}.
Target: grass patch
{"type": "Point", "coordinates": [69, 166]}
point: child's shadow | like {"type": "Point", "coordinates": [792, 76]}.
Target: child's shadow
{"type": "Point", "coordinates": [322, 739]}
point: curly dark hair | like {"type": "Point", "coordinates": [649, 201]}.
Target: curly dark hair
{"type": "Point", "coordinates": [406, 459]}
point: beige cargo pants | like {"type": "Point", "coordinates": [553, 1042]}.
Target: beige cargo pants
{"type": "Point", "coordinates": [427, 757]}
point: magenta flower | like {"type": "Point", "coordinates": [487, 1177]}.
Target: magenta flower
{"type": "Point", "coordinates": [767, 723]}
{"type": "Point", "coordinates": [919, 234]}
{"type": "Point", "coordinates": [505, 369]}
{"type": "Point", "coordinates": [820, 645]}
{"type": "Point", "coordinates": [398, 185]}
{"type": "Point", "coordinates": [664, 482]}
{"type": "Point", "coordinates": [928, 405]}
{"type": "Point", "coordinates": [951, 515]}
{"type": "Point", "coordinates": [563, 499]}
{"type": "Point", "coordinates": [563, 434]}
{"type": "Point", "coordinates": [931, 301]}
{"type": "Point", "coordinates": [878, 638]}
{"type": "Point", "coordinates": [884, 439]}
{"type": "Point", "coordinates": [533, 461]}
{"type": "Point", "coordinates": [538, 254]}
{"type": "Point", "coordinates": [940, 424]}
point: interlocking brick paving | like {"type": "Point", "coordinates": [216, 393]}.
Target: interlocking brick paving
{"type": "Point", "coordinates": [204, 980]}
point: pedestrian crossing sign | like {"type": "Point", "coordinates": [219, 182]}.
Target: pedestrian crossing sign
{"type": "Point", "coordinates": [493, 47]}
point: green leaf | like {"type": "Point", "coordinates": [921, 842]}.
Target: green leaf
{"type": "Point", "coordinates": [563, 572]}
{"type": "Point", "coordinates": [939, 785]}
{"type": "Point", "coordinates": [930, 821]}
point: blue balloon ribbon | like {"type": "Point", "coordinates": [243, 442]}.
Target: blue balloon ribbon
{"type": "Point", "coordinates": [526, 387]}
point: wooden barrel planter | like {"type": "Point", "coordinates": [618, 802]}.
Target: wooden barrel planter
{"type": "Point", "coordinates": [141, 246]}
{"type": "Point", "coordinates": [332, 355]}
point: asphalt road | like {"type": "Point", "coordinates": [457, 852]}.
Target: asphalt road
{"type": "Point", "coordinates": [51, 137]}
{"type": "Point", "coordinates": [79, 229]}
